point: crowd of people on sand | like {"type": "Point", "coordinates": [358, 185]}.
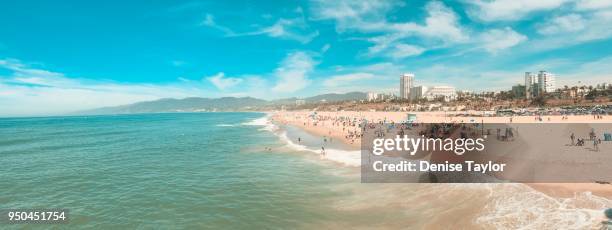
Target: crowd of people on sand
{"type": "Point", "coordinates": [582, 141]}
{"type": "Point", "coordinates": [352, 128]}
{"type": "Point", "coordinates": [598, 116]}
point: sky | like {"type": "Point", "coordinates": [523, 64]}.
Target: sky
{"type": "Point", "coordinates": [62, 56]}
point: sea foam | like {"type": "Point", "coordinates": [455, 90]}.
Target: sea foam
{"type": "Point", "coordinates": [520, 206]}
{"type": "Point", "coordinates": [345, 157]}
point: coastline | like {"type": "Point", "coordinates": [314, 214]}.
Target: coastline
{"type": "Point", "coordinates": [311, 141]}
{"type": "Point", "coordinates": [331, 127]}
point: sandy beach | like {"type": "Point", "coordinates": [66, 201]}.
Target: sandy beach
{"type": "Point", "coordinates": [344, 126]}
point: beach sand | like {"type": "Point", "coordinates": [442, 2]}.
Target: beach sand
{"type": "Point", "coordinates": [341, 126]}
{"type": "Point", "coordinates": [328, 124]}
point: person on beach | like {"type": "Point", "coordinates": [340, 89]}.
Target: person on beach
{"type": "Point", "coordinates": [596, 145]}
{"type": "Point", "coordinates": [498, 133]}
{"type": "Point", "coordinates": [572, 137]}
{"type": "Point", "coordinates": [299, 139]}
{"type": "Point", "coordinates": [322, 151]}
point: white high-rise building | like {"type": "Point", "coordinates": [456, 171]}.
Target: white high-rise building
{"type": "Point", "coordinates": [531, 85]}
{"type": "Point", "coordinates": [406, 81]}
{"type": "Point", "coordinates": [546, 82]}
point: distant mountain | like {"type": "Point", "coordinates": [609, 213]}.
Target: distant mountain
{"type": "Point", "coordinates": [330, 97]}
{"type": "Point", "coordinates": [333, 97]}
{"type": "Point", "coordinates": [198, 104]}
{"type": "Point", "coordinates": [191, 104]}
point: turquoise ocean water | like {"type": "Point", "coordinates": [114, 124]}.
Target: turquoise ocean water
{"type": "Point", "coordinates": [215, 171]}
{"type": "Point", "coordinates": [187, 170]}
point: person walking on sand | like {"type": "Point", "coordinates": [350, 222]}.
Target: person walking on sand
{"type": "Point", "coordinates": [572, 137]}
{"type": "Point", "coordinates": [596, 145]}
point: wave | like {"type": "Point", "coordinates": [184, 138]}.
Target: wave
{"type": "Point", "coordinates": [226, 125]}
{"type": "Point", "coordinates": [345, 157]}
{"type": "Point", "coordinates": [349, 158]}
{"type": "Point", "coordinates": [520, 206]}
{"type": "Point", "coordinates": [263, 121]}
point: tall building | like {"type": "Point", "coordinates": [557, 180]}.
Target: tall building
{"type": "Point", "coordinates": [531, 85]}
{"type": "Point", "coordinates": [406, 81]}
{"type": "Point", "coordinates": [546, 82]}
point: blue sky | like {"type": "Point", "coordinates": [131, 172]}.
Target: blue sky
{"type": "Point", "coordinates": [62, 56]}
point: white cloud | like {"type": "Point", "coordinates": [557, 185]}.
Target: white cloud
{"type": "Point", "coordinates": [561, 24]}
{"type": "Point", "coordinates": [404, 50]}
{"type": "Point", "coordinates": [222, 82]}
{"type": "Point", "coordinates": [441, 23]}
{"type": "Point", "coordinates": [509, 10]}
{"type": "Point", "coordinates": [292, 29]}
{"type": "Point", "coordinates": [583, 73]}
{"type": "Point", "coordinates": [498, 39]}
{"type": "Point", "coordinates": [209, 21]}
{"type": "Point", "coordinates": [574, 28]}
{"type": "Point", "coordinates": [440, 27]}
{"type": "Point", "coordinates": [350, 14]}
{"type": "Point", "coordinates": [32, 91]}
{"type": "Point", "coordinates": [325, 48]}
{"type": "Point", "coordinates": [593, 4]}
{"type": "Point", "coordinates": [599, 26]}
{"type": "Point", "coordinates": [379, 77]}
{"type": "Point", "coordinates": [292, 75]}
{"type": "Point", "coordinates": [346, 79]}
{"type": "Point", "coordinates": [21, 70]}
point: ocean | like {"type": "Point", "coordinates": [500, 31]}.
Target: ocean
{"type": "Point", "coordinates": [239, 171]}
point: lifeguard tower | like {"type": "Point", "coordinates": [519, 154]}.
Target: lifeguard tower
{"type": "Point", "coordinates": [411, 118]}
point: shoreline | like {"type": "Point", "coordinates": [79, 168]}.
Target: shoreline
{"type": "Point", "coordinates": [331, 126]}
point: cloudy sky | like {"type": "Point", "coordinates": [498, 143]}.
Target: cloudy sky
{"type": "Point", "coordinates": [58, 57]}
